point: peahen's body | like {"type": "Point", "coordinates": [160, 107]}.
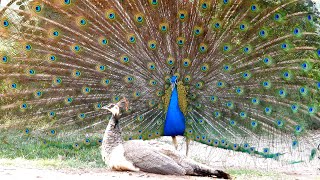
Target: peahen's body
{"type": "Point", "coordinates": [148, 156]}
{"type": "Point", "coordinates": [235, 74]}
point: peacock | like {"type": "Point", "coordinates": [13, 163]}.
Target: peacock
{"type": "Point", "coordinates": [148, 156]}
{"type": "Point", "coordinates": [232, 74]}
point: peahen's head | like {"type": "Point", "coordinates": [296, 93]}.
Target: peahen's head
{"type": "Point", "coordinates": [115, 109]}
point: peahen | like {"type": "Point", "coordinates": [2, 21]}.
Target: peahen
{"type": "Point", "coordinates": [148, 156]}
{"type": "Point", "coordinates": [234, 74]}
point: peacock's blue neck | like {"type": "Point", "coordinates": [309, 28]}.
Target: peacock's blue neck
{"type": "Point", "coordinates": [175, 120]}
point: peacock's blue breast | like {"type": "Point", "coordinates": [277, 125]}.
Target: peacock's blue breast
{"type": "Point", "coordinates": [175, 120]}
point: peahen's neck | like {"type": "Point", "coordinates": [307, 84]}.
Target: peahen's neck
{"type": "Point", "coordinates": [112, 138]}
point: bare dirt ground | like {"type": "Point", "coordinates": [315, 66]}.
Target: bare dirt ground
{"type": "Point", "coordinates": [12, 172]}
{"type": "Point", "coordinates": [239, 165]}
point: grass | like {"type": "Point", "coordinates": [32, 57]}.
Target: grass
{"type": "Point", "coordinates": [15, 145]}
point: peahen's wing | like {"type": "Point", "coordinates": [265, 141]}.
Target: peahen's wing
{"type": "Point", "coordinates": [150, 159]}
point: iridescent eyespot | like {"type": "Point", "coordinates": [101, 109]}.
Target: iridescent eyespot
{"type": "Point", "coordinates": [124, 59]}
{"type": "Point", "coordinates": [105, 82]}
{"type": "Point", "coordinates": [81, 116]}
{"type": "Point", "coordinates": [226, 48]}
{"type": "Point", "coordinates": [14, 85]}
{"type": "Point", "coordinates": [268, 110]}
{"type": "Point", "coordinates": [86, 90]}
{"type": "Point", "coordinates": [181, 41]}
{"type": "Point", "coordinates": [217, 25]}
{"type": "Point", "coordinates": [131, 38]}
{"type": "Point", "coordinates": [182, 15]}
{"type": "Point", "coordinates": [220, 84]}
{"type": "Point", "coordinates": [197, 31]}
{"type": "Point", "coordinates": [246, 75]}
{"type": "Point", "coordinates": [282, 93]}
{"type": "Point", "coordinates": [294, 108]}
{"type": "Point", "coordinates": [266, 84]}
{"type": "Point", "coordinates": [298, 128]}
{"type": "Point", "coordinates": [217, 114]}
{"type": "Point", "coordinates": [277, 16]}
{"type": "Point", "coordinates": [164, 27]}
{"type": "Point", "coordinates": [154, 2]}
{"type": "Point", "coordinates": [6, 23]}
{"type": "Point", "coordinates": [243, 114]}
{"type": "Point", "coordinates": [129, 79]}
{"type": "Point", "coordinates": [263, 33]}
{"type": "Point", "coordinates": [296, 31]}
{"type": "Point", "coordinates": [239, 90]}
{"type": "Point", "coordinates": [5, 59]}
{"type": "Point", "coordinates": [242, 27]}
{"type": "Point", "coordinates": [38, 8]}
{"type": "Point", "coordinates": [312, 110]}
{"type": "Point", "coordinates": [139, 18]}
{"type": "Point", "coordinates": [82, 21]}
{"type": "Point", "coordinates": [254, 7]}
{"type": "Point", "coordinates": [28, 47]}
{"type": "Point", "coordinates": [284, 46]}
{"type": "Point", "coordinates": [255, 101]}
{"type": "Point", "coordinates": [76, 48]}
{"type": "Point", "coordinates": [232, 122]}
{"type": "Point", "coordinates": [57, 81]}
{"type": "Point", "coordinates": [153, 82]}
{"type": "Point", "coordinates": [51, 114]}
{"type": "Point", "coordinates": [226, 67]}
{"type": "Point", "coordinates": [68, 100]}
{"type": "Point", "coordinates": [67, 2]}
{"type": "Point", "coordinates": [111, 15]}
{"type": "Point", "coordinates": [151, 66]}
{"type": "Point", "coordinates": [279, 123]}
{"type": "Point", "coordinates": [32, 72]}
{"type": "Point", "coordinates": [23, 106]}
{"type": "Point", "coordinates": [186, 62]}
{"type": "Point", "coordinates": [303, 91]}
{"type": "Point", "coordinates": [152, 45]}
{"type": "Point", "coordinates": [38, 94]}
{"type": "Point", "coordinates": [187, 79]}
{"type": "Point", "coordinates": [76, 73]}
{"type": "Point", "coordinates": [170, 61]}
{"type": "Point", "coordinates": [203, 48]}
{"type": "Point", "coordinates": [254, 123]}
{"type": "Point", "coordinates": [204, 67]}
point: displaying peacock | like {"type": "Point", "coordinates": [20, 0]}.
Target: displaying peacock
{"type": "Point", "coordinates": [233, 74]}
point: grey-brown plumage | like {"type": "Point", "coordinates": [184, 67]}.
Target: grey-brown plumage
{"type": "Point", "coordinates": [147, 156]}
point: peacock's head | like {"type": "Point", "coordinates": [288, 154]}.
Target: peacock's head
{"type": "Point", "coordinates": [174, 79]}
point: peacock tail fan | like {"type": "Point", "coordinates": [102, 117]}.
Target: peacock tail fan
{"type": "Point", "coordinates": [247, 72]}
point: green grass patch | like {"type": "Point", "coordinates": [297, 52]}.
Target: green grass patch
{"type": "Point", "coordinates": [54, 152]}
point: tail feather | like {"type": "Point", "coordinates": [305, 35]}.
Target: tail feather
{"type": "Point", "coordinates": [250, 68]}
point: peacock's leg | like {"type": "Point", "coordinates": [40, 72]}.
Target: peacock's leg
{"type": "Point", "coordinates": [187, 146]}
{"type": "Point", "coordinates": [175, 142]}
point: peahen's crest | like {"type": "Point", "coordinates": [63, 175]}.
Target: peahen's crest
{"type": "Point", "coordinates": [246, 72]}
